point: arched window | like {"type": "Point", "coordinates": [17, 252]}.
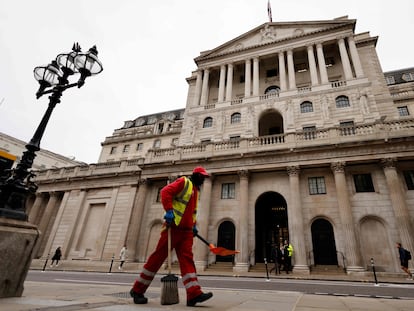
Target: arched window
{"type": "Point", "coordinates": [273, 89]}
{"type": "Point", "coordinates": [208, 122]}
{"type": "Point", "coordinates": [342, 101]}
{"type": "Point", "coordinates": [306, 106]}
{"type": "Point", "coordinates": [235, 118]}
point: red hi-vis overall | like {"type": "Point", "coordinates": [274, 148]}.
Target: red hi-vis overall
{"type": "Point", "coordinates": [181, 238]}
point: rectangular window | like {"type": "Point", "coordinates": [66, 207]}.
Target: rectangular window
{"type": "Point", "coordinates": [403, 111]}
{"type": "Point", "coordinates": [409, 179]}
{"type": "Point", "coordinates": [302, 67]}
{"type": "Point", "coordinates": [140, 146]}
{"type": "Point", "coordinates": [317, 185]}
{"type": "Point", "coordinates": [228, 191]}
{"type": "Point", "coordinates": [390, 80]}
{"type": "Point", "coordinates": [126, 149]}
{"type": "Point", "coordinates": [363, 183]}
{"type": "Point", "coordinates": [113, 150]}
{"type": "Point", "coordinates": [158, 199]}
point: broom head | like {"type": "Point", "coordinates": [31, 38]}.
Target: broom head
{"type": "Point", "coordinates": [169, 290]}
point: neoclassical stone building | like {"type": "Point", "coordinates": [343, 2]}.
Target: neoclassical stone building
{"type": "Point", "coordinates": [305, 136]}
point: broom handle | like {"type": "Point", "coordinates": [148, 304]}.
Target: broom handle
{"type": "Point", "coordinates": [202, 239]}
{"type": "Point", "coordinates": [169, 250]}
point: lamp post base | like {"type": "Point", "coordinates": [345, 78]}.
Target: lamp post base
{"type": "Point", "coordinates": [17, 242]}
{"type": "Point", "coordinates": [13, 201]}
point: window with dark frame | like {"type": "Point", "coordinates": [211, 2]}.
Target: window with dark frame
{"type": "Point", "coordinates": [317, 185]}
{"type": "Point", "coordinates": [208, 122]}
{"type": "Point", "coordinates": [403, 111]}
{"type": "Point", "coordinates": [228, 191]}
{"type": "Point", "coordinates": [113, 150]}
{"type": "Point", "coordinates": [140, 146]}
{"type": "Point", "coordinates": [157, 143]}
{"type": "Point", "coordinates": [306, 106]}
{"type": "Point", "coordinates": [363, 183]}
{"type": "Point", "coordinates": [342, 101]}
{"type": "Point", "coordinates": [409, 179]}
{"type": "Point", "coordinates": [235, 118]}
{"type": "Point", "coordinates": [126, 149]}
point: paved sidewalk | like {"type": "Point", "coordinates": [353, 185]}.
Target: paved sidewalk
{"type": "Point", "coordinates": [41, 296]}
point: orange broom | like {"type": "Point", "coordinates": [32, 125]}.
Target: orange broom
{"type": "Point", "coordinates": [221, 251]}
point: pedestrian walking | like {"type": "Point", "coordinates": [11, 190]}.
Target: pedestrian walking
{"type": "Point", "coordinates": [405, 256]}
{"type": "Point", "coordinates": [56, 257]}
{"type": "Point", "coordinates": [288, 253]}
{"type": "Point", "coordinates": [122, 256]}
{"type": "Point", "coordinates": [277, 258]}
{"type": "Point", "coordinates": [180, 202]}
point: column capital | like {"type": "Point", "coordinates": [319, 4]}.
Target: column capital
{"type": "Point", "coordinates": [243, 174]}
{"type": "Point", "coordinates": [293, 170]}
{"type": "Point", "coordinates": [388, 162]}
{"type": "Point", "coordinates": [338, 167]}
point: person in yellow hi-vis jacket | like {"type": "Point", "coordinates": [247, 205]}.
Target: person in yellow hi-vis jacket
{"type": "Point", "coordinates": [180, 202]}
{"type": "Point", "coordinates": [288, 253]}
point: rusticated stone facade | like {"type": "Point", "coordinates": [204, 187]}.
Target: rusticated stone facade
{"type": "Point", "coordinates": [304, 135]}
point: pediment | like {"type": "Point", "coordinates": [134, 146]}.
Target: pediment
{"type": "Point", "coordinates": [274, 32]}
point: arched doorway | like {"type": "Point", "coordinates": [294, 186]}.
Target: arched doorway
{"type": "Point", "coordinates": [271, 223]}
{"type": "Point", "coordinates": [323, 239]}
{"type": "Point", "coordinates": [226, 239]}
{"type": "Point", "coordinates": [270, 123]}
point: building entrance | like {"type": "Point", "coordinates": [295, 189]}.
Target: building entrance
{"type": "Point", "coordinates": [324, 249]}
{"type": "Point", "coordinates": [226, 239]}
{"type": "Point", "coordinates": [271, 223]}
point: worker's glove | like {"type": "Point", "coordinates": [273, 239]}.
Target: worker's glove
{"type": "Point", "coordinates": [195, 230]}
{"type": "Point", "coordinates": [169, 216]}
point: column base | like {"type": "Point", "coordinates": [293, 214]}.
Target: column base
{"type": "Point", "coordinates": [241, 267]}
{"type": "Point", "coordinates": [201, 265]}
{"type": "Point", "coordinates": [301, 269]}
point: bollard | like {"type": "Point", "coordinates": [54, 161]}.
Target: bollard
{"type": "Point", "coordinates": [112, 262]}
{"type": "Point", "coordinates": [373, 270]}
{"type": "Point", "coordinates": [267, 271]}
{"type": "Point", "coordinates": [44, 266]}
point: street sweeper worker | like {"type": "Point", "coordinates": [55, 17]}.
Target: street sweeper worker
{"type": "Point", "coordinates": [180, 201]}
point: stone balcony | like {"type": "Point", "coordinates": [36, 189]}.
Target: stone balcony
{"type": "Point", "coordinates": [334, 136]}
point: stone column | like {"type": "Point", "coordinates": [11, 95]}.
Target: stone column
{"type": "Point", "coordinates": [256, 76]}
{"type": "Point", "coordinates": [291, 70]}
{"type": "Point", "coordinates": [229, 88]}
{"type": "Point", "coordinates": [355, 57]}
{"type": "Point", "coordinates": [222, 83]}
{"type": "Point", "coordinates": [35, 210]}
{"type": "Point", "coordinates": [247, 78]}
{"type": "Point", "coordinates": [282, 71]}
{"type": "Point", "coordinates": [44, 221]}
{"type": "Point", "coordinates": [197, 93]}
{"type": "Point", "coordinates": [136, 219]}
{"type": "Point", "coordinates": [204, 90]}
{"type": "Point", "coordinates": [399, 204]}
{"type": "Point", "coordinates": [312, 66]}
{"type": "Point", "coordinates": [295, 216]}
{"type": "Point", "coordinates": [352, 253]}
{"type": "Point", "coordinates": [322, 65]}
{"type": "Point", "coordinates": [203, 216]}
{"type": "Point", "coordinates": [345, 59]}
{"type": "Point", "coordinates": [242, 232]}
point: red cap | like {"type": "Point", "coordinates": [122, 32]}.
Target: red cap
{"type": "Point", "coordinates": [201, 170]}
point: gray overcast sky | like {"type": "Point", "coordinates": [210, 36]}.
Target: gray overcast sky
{"type": "Point", "coordinates": [147, 50]}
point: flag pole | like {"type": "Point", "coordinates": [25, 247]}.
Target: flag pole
{"type": "Point", "coordinates": [269, 10]}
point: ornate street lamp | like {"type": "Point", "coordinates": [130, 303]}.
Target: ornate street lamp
{"type": "Point", "coordinates": [16, 184]}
